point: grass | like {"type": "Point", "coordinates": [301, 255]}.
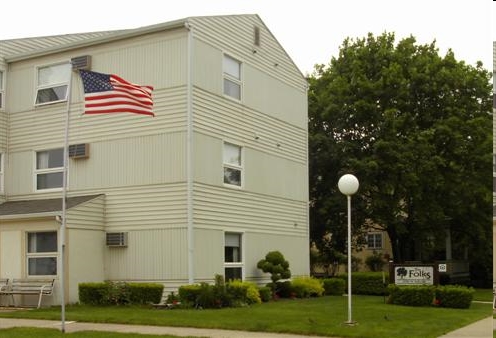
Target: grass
{"type": "Point", "coordinates": [483, 295]}
{"type": "Point", "coordinates": [324, 316]}
{"type": "Point", "coordinates": [28, 332]}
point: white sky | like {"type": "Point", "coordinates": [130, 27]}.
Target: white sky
{"type": "Point", "coordinates": [310, 31]}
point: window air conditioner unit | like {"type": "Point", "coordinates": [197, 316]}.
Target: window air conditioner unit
{"type": "Point", "coordinates": [116, 239]}
{"type": "Point", "coordinates": [79, 150]}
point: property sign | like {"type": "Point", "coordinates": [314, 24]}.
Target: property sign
{"type": "Point", "coordinates": [413, 275]}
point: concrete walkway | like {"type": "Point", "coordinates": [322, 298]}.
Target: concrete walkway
{"type": "Point", "coordinates": [143, 329]}
{"type": "Point", "coordinates": [480, 329]}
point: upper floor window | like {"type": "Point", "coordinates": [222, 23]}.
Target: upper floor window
{"type": "Point", "coordinates": [232, 164]}
{"type": "Point", "coordinates": [42, 253]}
{"type": "Point", "coordinates": [2, 90]}
{"type": "Point", "coordinates": [374, 241]}
{"type": "Point", "coordinates": [52, 83]}
{"type": "Point", "coordinates": [49, 169]}
{"type": "Point", "coordinates": [232, 77]}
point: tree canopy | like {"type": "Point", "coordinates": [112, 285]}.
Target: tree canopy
{"type": "Point", "coordinates": [416, 129]}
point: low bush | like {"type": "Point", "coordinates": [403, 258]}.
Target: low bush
{"type": "Point", "coordinates": [188, 294]}
{"type": "Point", "coordinates": [92, 293]}
{"type": "Point", "coordinates": [334, 286]}
{"type": "Point", "coordinates": [282, 289]}
{"type": "Point", "coordinates": [243, 293]}
{"type": "Point", "coordinates": [454, 296]}
{"type": "Point", "coordinates": [145, 293]}
{"type": "Point", "coordinates": [411, 295]}
{"type": "Point", "coordinates": [265, 293]}
{"type": "Point", "coordinates": [119, 293]}
{"type": "Point", "coordinates": [303, 287]}
{"type": "Point", "coordinates": [367, 283]}
{"type": "Point", "coordinates": [204, 295]}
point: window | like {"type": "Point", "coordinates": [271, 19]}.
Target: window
{"type": "Point", "coordinates": [2, 90]}
{"type": "Point", "coordinates": [233, 262]}
{"type": "Point", "coordinates": [42, 253]}
{"type": "Point", "coordinates": [52, 83]}
{"type": "Point", "coordinates": [232, 77]}
{"type": "Point", "coordinates": [232, 164]}
{"type": "Point", "coordinates": [49, 169]}
{"type": "Point", "coordinates": [374, 241]}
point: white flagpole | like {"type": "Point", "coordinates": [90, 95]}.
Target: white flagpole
{"type": "Point", "coordinates": [64, 205]}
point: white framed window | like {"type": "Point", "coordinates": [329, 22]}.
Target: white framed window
{"type": "Point", "coordinates": [233, 256]}
{"type": "Point", "coordinates": [52, 83]}
{"type": "Point", "coordinates": [232, 77]}
{"type": "Point", "coordinates": [233, 170]}
{"type": "Point", "coordinates": [49, 169]}
{"type": "Point", "coordinates": [41, 253]}
{"type": "Point", "coordinates": [2, 90]}
{"type": "Point", "coordinates": [374, 240]}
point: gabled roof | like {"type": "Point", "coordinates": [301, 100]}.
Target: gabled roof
{"type": "Point", "coordinates": [41, 206]}
{"type": "Point", "coordinates": [19, 49]}
{"type": "Point", "coordinates": [21, 46]}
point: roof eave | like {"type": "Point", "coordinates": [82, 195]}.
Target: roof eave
{"type": "Point", "coordinates": [35, 215]}
{"type": "Point", "coordinates": [119, 35]}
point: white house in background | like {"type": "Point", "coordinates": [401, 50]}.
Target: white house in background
{"type": "Point", "coordinates": [218, 178]}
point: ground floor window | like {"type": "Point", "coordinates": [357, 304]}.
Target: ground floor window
{"type": "Point", "coordinates": [233, 260]}
{"type": "Point", "coordinates": [374, 241]}
{"type": "Point", "coordinates": [42, 253]}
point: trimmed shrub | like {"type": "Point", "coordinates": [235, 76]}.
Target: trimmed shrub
{"type": "Point", "coordinates": [454, 296]}
{"type": "Point", "coordinates": [411, 295]}
{"type": "Point", "coordinates": [92, 293]}
{"type": "Point", "coordinates": [206, 297]}
{"type": "Point", "coordinates": [119, 293]}
{"type": "Point", "coordinates": [243, 293]}
{"type": "Point", "coordinates": [303, 287]}
{"type": "Point", "coordinates": [334, 286]}
{"type": "Point", "coordinates": [283, 289]}
{"type": "Point", "coordinates": [265, 293]}
{"type": "Point", "coordinates": [145, 293]}
{"type": "Point", "coordinates": [188, 294]}
{"type": "Point", "coordinates": [366, 283]}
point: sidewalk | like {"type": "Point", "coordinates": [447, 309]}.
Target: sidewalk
{"type": "Point", "coordinates": [480, 329]}
{"type": "Point", "coordinates": [143, 329]}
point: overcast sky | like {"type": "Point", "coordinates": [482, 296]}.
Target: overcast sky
{"type": "Point", "coordinates": [311, 31]}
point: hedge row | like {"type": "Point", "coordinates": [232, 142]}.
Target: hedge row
{"type": "Point", "coordinates": [120, 293]}
{"type": "Point", "coordinates": [367, 283]}
{"type": "Point", "coordinates": [450, 296]}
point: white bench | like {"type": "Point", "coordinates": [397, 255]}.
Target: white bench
{"type": "Point", "coordinates": [35, 287]}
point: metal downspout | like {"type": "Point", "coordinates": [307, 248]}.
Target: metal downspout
{"type": "Point", "coordinates": [189, 155]}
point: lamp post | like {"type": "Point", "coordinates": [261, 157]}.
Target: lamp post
{"type": "Point", "coordinates": [348, 185]}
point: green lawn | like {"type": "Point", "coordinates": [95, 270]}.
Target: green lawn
{"type": "Point", "coordinates": [323, 316]}
{"type": "Point", "coordinates": [28, 332]}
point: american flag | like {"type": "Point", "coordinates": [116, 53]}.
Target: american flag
{"type": "Point", "coordinates": [108, 93]}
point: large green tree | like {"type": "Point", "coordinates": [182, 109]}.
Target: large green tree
{"type": "Point", "coordinates": [415, 128]}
